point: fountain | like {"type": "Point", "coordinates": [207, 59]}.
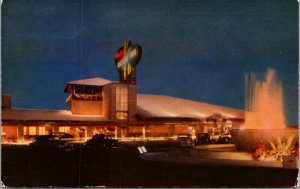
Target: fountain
{"type": "Point", "coordinates": [264, 115]}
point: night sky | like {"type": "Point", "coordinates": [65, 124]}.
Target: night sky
{"type": "Point", "coordinates": [197, 50]}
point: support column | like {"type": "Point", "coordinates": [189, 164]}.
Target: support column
{"type": "Point", "coordinates": [193, 132]}
{"type": "Point", "coordinates": [56, 129]}
{"type": "Point", "coordinates": [20, 133]}
{"type": "Point", "coordinates": [116, 132]}
{"type": "Point", "coordinates": [144, 132]}
{"type": "Point", "coordinates": [85, 133]}
{"type": "Point", "coordinates": [171, 132]}
{"type": "Point", "coordinates": [119, 131]}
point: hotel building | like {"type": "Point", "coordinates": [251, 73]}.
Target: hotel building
{"type": "Point", "coordinates": [98, 105]}
{"type": "Point", "coordinates": [101, 106]}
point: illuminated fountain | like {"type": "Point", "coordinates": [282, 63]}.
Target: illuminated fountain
{"type": "Point", "coordinates": [264, 116]}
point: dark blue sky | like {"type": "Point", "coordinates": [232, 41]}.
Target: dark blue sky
{"type": "Point", "coordinates": [198, 50]}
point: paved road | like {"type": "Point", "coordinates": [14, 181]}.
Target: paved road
{"type": "Point", "coordinates": [214, 154]}
{"type": "Point", "coordinates": [165, 165]}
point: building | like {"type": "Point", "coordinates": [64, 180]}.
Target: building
{"type": "Point", "coordinates": [99, 105]}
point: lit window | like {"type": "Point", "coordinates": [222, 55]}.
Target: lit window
{"type": "Point", "coordinates": [64, 129]}
{"type": "Point", "coordinates": [42, 131]}
{"type": "Point", "coordinates": [122, 102]}
{"type": "Point", "coordinates": [122, 115]}
{"type": "Point", "coordinates": [32, 131]}
{"type": "Point", "coordinates": [121, 98]}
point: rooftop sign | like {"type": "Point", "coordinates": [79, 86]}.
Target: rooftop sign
{"type": "Point", "coordinates": [126, 58]}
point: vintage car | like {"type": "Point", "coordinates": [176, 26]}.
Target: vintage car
{"type": "Point", "coordinates": [65, 136]}
{"type": "Point", "coordinates": [202, 138]}
{"type": "Point", "coordinates": [214, 138]}
{"type": "Point", "coordinates": [185, 140]}
{"type": "Point", "coordinates": [225, 138]}
{"type": "Point", "coordinates": [50, 143]}
{"type": "Point", "coordinates": [101, 141]}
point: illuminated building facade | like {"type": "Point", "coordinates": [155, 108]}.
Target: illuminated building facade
{"type": "Point", "coordinates": [99, 105]}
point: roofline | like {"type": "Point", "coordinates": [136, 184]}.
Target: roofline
{"type": "Point", "coordinates": [74, 82]}
{"type": "Point", "coordinates": [235, 109]}
{"type": "Point", "coordinates": [68, 84]}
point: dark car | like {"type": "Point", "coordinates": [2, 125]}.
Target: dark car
{"type": "Point", "coordinates": [214, 138]}
{"type": "Point", "coordinates": [226, 138]}
{"type": "Point", "coordinates": [65, 136]}
{"type": "Point", "coordinates": [202, 138]}
{"type": "Point", "coordinates": [50, 143]}
{"type": "Point", "coordinates": [101, 141]}
{"type": "Point", "coordinates": [185, 140]}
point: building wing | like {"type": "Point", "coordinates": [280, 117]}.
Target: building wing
{"type": "Point", "coordinates": [155, 106]}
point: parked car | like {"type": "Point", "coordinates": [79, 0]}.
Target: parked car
{"type": "Point", "coordinates": [101, 141]}
{"type": "Point", "coordinates": [185, 140]}
{"type": "Point", "coordinates": [214, 138]}
{"type": "Point", "coordinates": [226, 138]}
{"type": "Point", "coordinates": [202, 138]}
{"type": "Point", "coordinates": [50, 142]}
{"type": "Point", "coordinates": [65, 136]}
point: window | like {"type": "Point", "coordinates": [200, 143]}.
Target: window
{"type": "Point", "coordinates": [122, 102]}
{"type": "Point", "coordinates": [83, 89]}
{"type": "Point", "coordinates": [122, 115]}
{"type": "Point", "coordinates": [32, 131]}
{"type": "Point", "coordinates": [121, 98]}
{"type": "Point", "coordinates": [64, 129]}
{"type": "Point", "coordinates": [42, 131]}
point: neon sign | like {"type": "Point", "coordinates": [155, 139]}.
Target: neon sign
{"type": "Point", "coordinates": [126, 59]}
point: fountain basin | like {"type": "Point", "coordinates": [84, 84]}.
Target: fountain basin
{"type": "Point", "coordinates": [247, 139]}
